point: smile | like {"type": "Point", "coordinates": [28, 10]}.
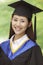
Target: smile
{"type": "Point", "coordinates": [17, 28]}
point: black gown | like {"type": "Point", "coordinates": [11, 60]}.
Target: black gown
{"type": "Point", "coordinates": [32, 56]}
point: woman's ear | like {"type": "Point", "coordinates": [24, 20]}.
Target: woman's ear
{"type": "Point", "coordinates": [30, 23]}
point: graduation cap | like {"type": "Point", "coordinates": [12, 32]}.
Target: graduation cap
{"type": "Point", "coordinates": [25, 9]}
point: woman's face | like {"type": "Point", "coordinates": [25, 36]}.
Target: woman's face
{"type": "Point", "coordinates": [19, 24]}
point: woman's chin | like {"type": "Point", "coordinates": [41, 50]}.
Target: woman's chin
{"type": "Point", "coordinates": [17, 33]}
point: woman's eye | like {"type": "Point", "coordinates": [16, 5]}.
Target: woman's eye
{"type": "Point", "coordinates": [15, 19]}
{"type": "Point", "coordinates": [22, 21]}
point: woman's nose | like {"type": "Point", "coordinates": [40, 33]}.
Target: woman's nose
{"type": "Point", "coordinates": [18, 23]}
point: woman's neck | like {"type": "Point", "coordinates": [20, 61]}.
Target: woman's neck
{"type": "Point", "coordinates": [18, 36]}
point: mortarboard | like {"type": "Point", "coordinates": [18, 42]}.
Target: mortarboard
{"type": "Point", "coordinates": [25, 9]}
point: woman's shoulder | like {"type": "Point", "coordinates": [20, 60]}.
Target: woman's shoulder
{"type": "Point", "coordinates": [36, 46]}
{"type": "Point", "coordinates": [30, 42]}
{"type": "Point", "coordinates": [4, 43]}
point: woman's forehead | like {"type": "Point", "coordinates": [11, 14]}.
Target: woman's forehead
{"type": "Point", "coordinates": [18, 16]}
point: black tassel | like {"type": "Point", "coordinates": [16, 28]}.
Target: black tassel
{"type": "Point", "coordinates": [21, 0]}
{"type": "Point", "coordinates": [35, 28]}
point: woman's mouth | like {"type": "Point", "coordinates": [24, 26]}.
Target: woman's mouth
{"type": "Point", "coordinates": [17, 28]}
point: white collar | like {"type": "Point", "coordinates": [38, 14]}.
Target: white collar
{"type": "Point", "coordinates": [18, 43]}
{"type": "Point", "coordinates": [24, 37]}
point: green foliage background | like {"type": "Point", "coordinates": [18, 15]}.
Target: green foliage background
{"type": "Point", "coordinates": [5, 18]}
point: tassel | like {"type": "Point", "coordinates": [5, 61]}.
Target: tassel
{"type": "Point", "coordinates": [21, 0]}
{"type": "Point", "coordinates": [35, 29]}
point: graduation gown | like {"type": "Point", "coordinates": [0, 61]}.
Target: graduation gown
{"type": "Point", "coordinates": [29, 56]}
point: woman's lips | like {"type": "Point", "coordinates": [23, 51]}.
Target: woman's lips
{"type": "Point", "coordinates": [18, 28]}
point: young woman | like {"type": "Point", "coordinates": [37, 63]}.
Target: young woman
{"type": "Point", "coordinates": [21, 49]}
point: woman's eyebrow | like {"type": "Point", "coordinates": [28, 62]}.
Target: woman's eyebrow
{"type": "Point", "coordinates": [15, 18]}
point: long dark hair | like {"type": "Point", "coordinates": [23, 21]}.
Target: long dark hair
{"type": "Point", "coordinates": [29, 30]}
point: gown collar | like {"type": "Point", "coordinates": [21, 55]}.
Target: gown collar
{"type": "Point", "coordinates": [15, 45]}
{"type": "Point", "coordinates": [6, 48]}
